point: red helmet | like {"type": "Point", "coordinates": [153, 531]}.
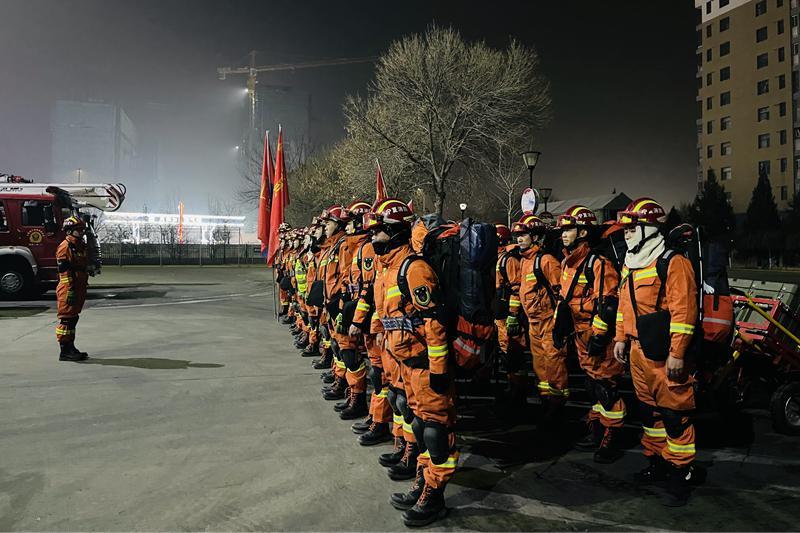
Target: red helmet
{"type": "Point", "coordinates": [503, 233]}
{"type": "Point", "coordinates": [642, 211]}
{"type": "Point", "coordinates": [529, 224]}
{"type": "Point", "coordinates": [388, 211]}
{"type": "Point", "coordinates": [357, 210]}
{"type": "Point", "coordinates": [577, 215]}
{"type": "Point", "coordinates": [73, 223]}
{"type": "Point", "coordinates": [334, 212]}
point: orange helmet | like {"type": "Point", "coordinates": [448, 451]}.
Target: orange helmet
{"type": "Point", "coordinates": [334, 212]}
{"type": "Point", "coordinates": [577, 215]}
{"type": "Point", "coordinates": [642, 211]}
{"type": "Point", "coordinates": [529, 224]}
{"type": "Point", "coordinates": [357, 210]}
{"type": "Point", "coordinates": [388, 211]}
{"type": "Point", "coordinates": [503, 233]}
{"type": "Point", "coordinates": [73, 223]}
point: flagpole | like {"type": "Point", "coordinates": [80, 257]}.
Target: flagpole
{"type": "Point", "coordinates": [274, 295]}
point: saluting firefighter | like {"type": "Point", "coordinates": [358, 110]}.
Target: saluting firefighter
{"type": "Point", "coordinates": [656, 322]}
{"type": "Point", "coordinates": [72, 260]}
{"type": "Point", "coordinates": [589, 284]}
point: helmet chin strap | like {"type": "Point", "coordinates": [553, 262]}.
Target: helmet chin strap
{"type": "Point", "coordinates": [636, 249]}
{"type": "Point", "coordinates": [397, 238]}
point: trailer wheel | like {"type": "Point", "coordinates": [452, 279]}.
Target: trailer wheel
{"type": "Point", "coordinates": [16, 280]}
{"type": "Point", "coordinates": [785, 409]}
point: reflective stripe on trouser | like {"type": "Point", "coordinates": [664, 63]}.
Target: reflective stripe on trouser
{"type": "Point", "coordinates": [380, 408]}
{"type": "Point", "coordinates": [437, 476]}
{"type": "Point", "coordinates": [339, 368]}
{"type": "Point", "coordinates": [357, 381]}
{"type": "Point", "coordinates": [654, 389]}
{"type": "Point", "coordinates": [65, 330]}
{"type": "Point", "coordinates": [397, 425]}
{"type": "Point", "coordinates": [610, 418]}
{"type": "Point", "coordinates": [549, 363]}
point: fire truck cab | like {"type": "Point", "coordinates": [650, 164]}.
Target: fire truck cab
{"type": "Point", "coordinates": [31, 215]}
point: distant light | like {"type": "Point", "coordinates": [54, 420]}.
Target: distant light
{"type": "Point", "coordinates": [245, 91]}
{"type": "Point", "coordinates": [463, 207]}
{"type": "Point", "coordinates": [236, 147]}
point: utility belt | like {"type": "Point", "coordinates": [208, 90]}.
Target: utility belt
{"type": "Point", "coordinates": [404, 324]}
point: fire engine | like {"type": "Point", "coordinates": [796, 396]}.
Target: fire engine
{"type": "Point", "coordinates": [31, 215]}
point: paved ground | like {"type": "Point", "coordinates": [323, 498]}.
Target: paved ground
{"type": "Point", "coordinates": [195, 413]}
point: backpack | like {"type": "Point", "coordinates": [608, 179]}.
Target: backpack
{"type": "Point", "coordinates": [464, 258]}
{"type": "Point", "coordinates": [709, 261]}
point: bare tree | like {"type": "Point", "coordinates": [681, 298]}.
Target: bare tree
{"type": "Point", "coordinates": [440, 102]}
{"type": "Point", "coordinates": [504, 171]}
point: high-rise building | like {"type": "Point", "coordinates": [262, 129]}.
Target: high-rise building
{"type": "Point", "coordinates": [748, 55]}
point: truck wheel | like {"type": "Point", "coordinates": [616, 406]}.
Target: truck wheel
{"type": "Point", "coordinates": [785, 409]}
{"type": "Point", "coordinates": [16, 281]}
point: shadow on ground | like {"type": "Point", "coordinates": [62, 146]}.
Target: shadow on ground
{"type": "Point", "coordinates": [150, 363]}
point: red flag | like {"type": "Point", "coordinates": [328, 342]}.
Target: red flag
{"type": "Point", "coordinates": [380, 186]}
{"type": "Point", "coordinates": [279, 200]}
{"type": "Point", "coordinates": [265, 197]}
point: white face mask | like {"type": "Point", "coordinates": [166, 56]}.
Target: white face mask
{"type": "Point", "coordinates": [633, 240]}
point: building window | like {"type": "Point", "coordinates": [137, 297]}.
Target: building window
{"type": "Point", "coordinates": [724, 123]}
{"type": "Point", "coordinates": [763, 140]}
{"type": "Point", "coordinates": [782, 109]}
{"type": "Point", "coordinates": [795, 20]}
{"type": "Point", "coordinates": [708, 31]}
{"type": "Point", "coordinates": [778, 3]}
{"type": "Point", "coordinates": [725, 148]}
{"type": "Point", "coordinates": [724, 24]}
{"type": "Point", "coordinates": [784, 164]}
{"type": "Point", "coordinates": [725, 48]}
{"type": "Point", "coordinates": [709, 78]}
{"type": "Point", "coordinates": [725, 98]}
{"type": "Point", "coordinates": [728, 196]}
{"type": "Point", "coordinates": [762, 87]}
{"type": "Point", "coordinates": [782, 81]}
{"type": "Point", "coordinates": [709, 103]}
{"type": "Point", "coordinates": [725, 173]}
{"type": "Point", "coordinates": [708, 7]}
{"type": "Point", "coordinates": [763, 168]}
{"type": "Point", "coordinates": [780, 27]}
{"type": "Point", "coordinates": [784, 192]}
{"type": "Point", "coordinates": [762, 60]}
{"type": "Point", "coordinates": [709, 55]}
{"type": "Point", "coordinates": [781, 54]}
{"type": "Point", "coordinates": [782, 136]}
{"type": "Point", "coordinates": [699, 129]}
{"type": "Point", "coordinates": [761, 34]}
{"type": "Point", "coordinates": [761, 8]}
{"type": "Point", "coordinates": [709, 151]}
{"type": "Point", "coordinates": [724, 73]}
{"type": "Point", "coordinates": [709, 128]}
{"type": "Point", "coordinates": [699, 109]}
{"type": "Point", "coordinates": [723, 3]}
{"type": "Point", "coordinates": [763, 114]}
{"type": "Point", "coordinates": [709, 173]}
{"type": "Point", "coordinates": [699, 82]}
{"type": "Point", "coordinates": [699, 60]}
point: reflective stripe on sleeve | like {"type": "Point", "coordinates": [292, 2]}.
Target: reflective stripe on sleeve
{"type": "Point", "coordinates": [393, 292]}
{"type": "Point", "coordinates": [362, 306]}
{"type": "Point", "coordinates": [437, 351]}
{"type": "Point", "coordinates": [599, 323]}
{"type": "Point", "coordinates": [645, 273]}
{"type": "Point", "coordinates": [679, 327]}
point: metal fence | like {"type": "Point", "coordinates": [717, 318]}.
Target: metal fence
{"type": "Point", "coordinates": [181, 254]}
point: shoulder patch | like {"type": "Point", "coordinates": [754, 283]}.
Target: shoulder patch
{"type": "Point", "coordinates": [422, 295]}
{"type": "Point", "coordinates": [368, 263]}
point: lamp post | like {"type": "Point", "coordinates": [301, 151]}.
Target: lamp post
{"type": "Point", "coordinates": [545, 193]}
{"type": "Point", "coordinates": [463, 208]}
{"type": "Point", "coordinates": [531, 158]}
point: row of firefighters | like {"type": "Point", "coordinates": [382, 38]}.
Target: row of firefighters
{"type": "Point", "coordinates": [396, 342]}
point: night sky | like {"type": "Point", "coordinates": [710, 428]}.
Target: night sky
{"type": "Point", "coordinates": [622, 77]}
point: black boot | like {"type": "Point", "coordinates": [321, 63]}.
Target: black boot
{"type": "Point", "coordinates": [406, 467]}
{"type": "Point", "coordinates": [336, 391]}
{"type": "Point", "coordinates": [76, 351]}
{"type": "Point", "coordinates": [609, 451]}
{"type": "Point", "coordinates": [362, 426]}
{"type": "Point", "coordinates": [286, 320]}
{"type": "Point", "coordinates": [312, 350]}
{"type": "Point", "coordinates": [68, 354]}
{"type": "Point", "coordinates": [678, 486]}
{"type": "Point", "coordinates": [358, 407]}
{"type": "Point", "coordinates": [348, 398]}
{"type": "Point", "coordinates": [428, 509]}
{"type": "Point", "coordinates": [392, 458]}
{"type": "Point", "coordinates": [302, 342]}
{"type": "Point", "coordinates": [328, 377]}
{"type": "Point", "coordinates": [655, 473]}
{"type": "Point", "coordinates": [593, 437]}
{"type": "Point", "coordinates": [403, 501]}
{"type": "Point", "coordinates": [379, 432]}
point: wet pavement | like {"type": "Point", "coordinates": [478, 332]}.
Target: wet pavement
{"type": "Point", "coordinates": [196, 413]}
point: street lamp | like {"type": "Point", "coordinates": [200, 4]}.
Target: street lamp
{"type": "Point", "coordinates": [463, 208]}
{"type": "Point", "coordinates": [545, 193]}
{"type": "Point", "coordinates": [531, 158]}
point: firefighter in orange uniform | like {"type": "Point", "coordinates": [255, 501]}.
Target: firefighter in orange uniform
{"type": "Point", "coordinates": [656, 323]}
{"type": "Point", "coordinates": [589, 284]}
{"type": "Point", "coordinates": [512, 348]}
{"type": "Point", "coordinates": [539, 290]}
{"type": "Point", "coordinates": [72, 260]}
{"type": "Point", "coordinates": [416, 338]}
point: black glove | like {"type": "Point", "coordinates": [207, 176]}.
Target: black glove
{"type": "Point", "coordinates": [439, 383]}
{"type": "Point", "coordinates": [597, 345]}
{"type": "Point", "coordinates": [376, 377]}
